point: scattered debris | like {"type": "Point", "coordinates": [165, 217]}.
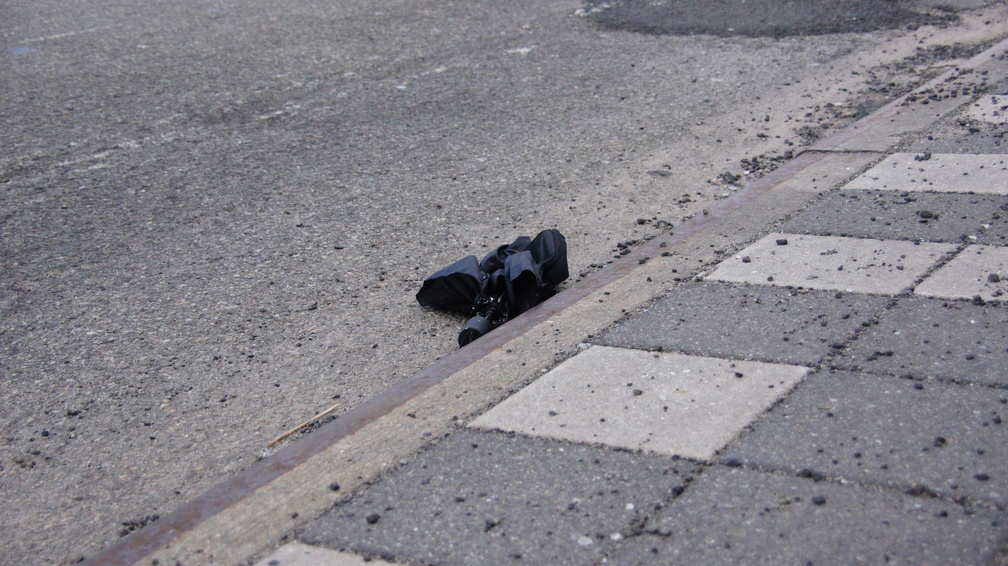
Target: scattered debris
{"type": "Point", "coordinates": [302, 425]}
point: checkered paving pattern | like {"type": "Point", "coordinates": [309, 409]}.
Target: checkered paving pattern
{"type": "Point", "coordinates": [630, 398]}
{"type": "Point", "coordinates": [833, 392]}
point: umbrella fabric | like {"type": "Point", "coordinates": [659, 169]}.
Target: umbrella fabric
{"type": "Point", "coordinates": [522, 278]}
{"type": "Point", "coordinates": [549, 249]}
{"type": "Point", "coordinates": [455, 288]}
{"type": "Point", "coordinates": [519, 275]}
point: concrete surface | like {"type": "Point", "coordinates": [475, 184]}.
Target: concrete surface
{"type": "Point", "coordinates": [737, 516]}
{"type": "Point", "coordinates": [978, 271]}
{"type": "Point", "coordinates": [748, 322]}
{"type": "Point", "coordinates": [992, 108]}
{"type": "Point", "coordinates": [491, 498]}
{"type": "Point", "coordinates": [940, 439]}
{"type": "Point", "coordinates": [921, 337]}
{"type": "Point", "coordinates": [984, 174]}
{"type": "Point", "coordinates": [830, 262]}
{"type": "Point", "coordinates": [671, 404]}
{"type": "Point", "coordinates": [894, 215]}
{"type": "Point", "coordinates": [296, 554]}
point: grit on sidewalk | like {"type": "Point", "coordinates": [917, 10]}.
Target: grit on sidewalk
{"type": "Point", "coordinates": [833, 393]}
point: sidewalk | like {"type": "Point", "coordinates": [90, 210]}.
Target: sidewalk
{"type": "Point", "coordinates": [833, 393]}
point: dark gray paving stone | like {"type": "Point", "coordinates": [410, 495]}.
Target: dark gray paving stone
{"type": "Point", "coordinates": [486, 498]}
{"type": "Point", "coordinates": [739, 516]}
{"type": "Point", "coordinates": [937, 338]}
{"type": "Point", "coordinates": [932, 437]}
{"type": "Point", "coordinates": [896, 215]}
{"type": "Point", "coordinates": [996, 231]}
{"type": "Point", "coordinates": [754, 322]}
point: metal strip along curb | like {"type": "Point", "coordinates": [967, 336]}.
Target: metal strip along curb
{"type": "Point", "coordinates": [160, 534]}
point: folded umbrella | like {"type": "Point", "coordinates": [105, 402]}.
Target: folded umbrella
{"type": "Point", "coordinates": [507, 282]}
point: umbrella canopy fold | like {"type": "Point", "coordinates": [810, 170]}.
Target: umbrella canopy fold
{"type": "Point", "coordinates": [507, 282]}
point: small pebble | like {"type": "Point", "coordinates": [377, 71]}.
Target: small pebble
{"type": "Point", "coordinates": [782, 241]}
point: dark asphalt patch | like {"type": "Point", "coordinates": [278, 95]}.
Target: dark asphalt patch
{"type": "Point", "coordinates": [757, 18]}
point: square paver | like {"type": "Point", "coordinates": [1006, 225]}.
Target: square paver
{"type": "Point", "coordinates": [935, 338]}
{"type": "Point", "coordinates": [753, 322]}
{"type": "Point", "coordinates": [828, 262]}
{"type": "Point", "coordinates": [490, 498]}
{"type": "Point", "coordinates": [953, 137]}
{"type": "Point", "coordinates": [895, 215]}
{"type": "Point", "coordinates": [992, 108]}
{"type": "Point", "coordinates": [978, 271]}
{"type": "Point", "coordinates": [739, 516]}
{"type": "Point", "coordinates": [298, 554]}
{"type": "Point", "coordinates": [672, 404]}
{"type": "Point", "coordinates": [930, 437]}
{"type": "Point", "coordinates": [940, 172]}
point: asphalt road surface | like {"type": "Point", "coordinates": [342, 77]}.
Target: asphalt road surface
{"type": "Point", "coordinates": [214, 216]}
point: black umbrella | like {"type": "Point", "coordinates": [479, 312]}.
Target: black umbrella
{"type": "Point", "coordinates": [510, 280]}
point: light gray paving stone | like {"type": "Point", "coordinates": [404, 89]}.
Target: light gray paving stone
{"type": "Point", "coordinates": [935, 338]}
{"type": "Point", "coordinates": [490, 498]}
{"type": "Point", "coordinates": [829, 262]}
{"type": "Point", "coordinates": [977, 271]}
{"type": "Point", "coordinates": [928, 437]}
{"type": "Point", "coordinates": [942, 172]}
{"type": "Point", "coordinates": [884, 135]}
{"type": "Point", "coordinates": [996, 232]}
{"type": "Point", "coordinates": [737, 516]}
{"type": "Point", "coordinates": [952, 137]}
{"type": "Point", "coordinates": [298, 554]}
{"type": "Point", "coordinates": [671, 404]}
{"type": "Point", "coordinates": [902, 215]}
{"type": "Point", "coordinates": [754, 322]}
{"type": "Point", "coordinates": [992, 108]}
